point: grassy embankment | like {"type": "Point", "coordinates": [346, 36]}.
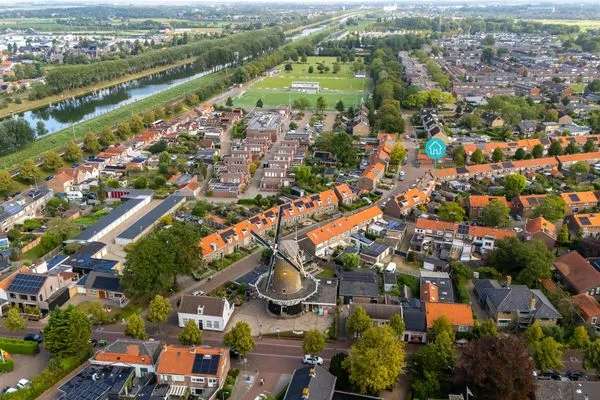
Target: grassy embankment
{"type": "Point", "coordinates": [78, 131]}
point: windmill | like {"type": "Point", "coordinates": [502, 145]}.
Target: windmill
{"type": "Point", "coordinates": [286, 283]}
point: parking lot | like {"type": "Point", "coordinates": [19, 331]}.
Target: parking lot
{"type": "Point", "coordinates": [25, 367]}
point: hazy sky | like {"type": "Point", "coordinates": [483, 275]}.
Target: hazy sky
{"type": "Point", "coordinates": [47, 3]}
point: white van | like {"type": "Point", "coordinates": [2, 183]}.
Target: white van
{"type": "Point", "coordinates": [391, 267]}
{"type": "Point", "coordinates": [74, 195]}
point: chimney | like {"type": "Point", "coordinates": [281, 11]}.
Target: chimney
{"type": "Point", "coordinates": [508, 280]}
{"type": "Point", "coordinates": [532, 302]}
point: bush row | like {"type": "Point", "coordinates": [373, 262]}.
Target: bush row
{"type": "Point", "coordinates": [19, 346]}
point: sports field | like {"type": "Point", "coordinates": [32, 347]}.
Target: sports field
{"type": "Point", "coordinates": [275, 90]}
{"type": "Point", "coordinates": [584, 24]}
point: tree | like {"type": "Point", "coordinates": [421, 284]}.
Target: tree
{"type": "Point", "coordinates": [350, 261]}
{"type": "Point", "coordinates": [91, 144]}
{"type": "Point", "coordinates": [314, 342]}
{"type": "Point", "coordinates": [140, 182]}
{"type": "Point", "coordinates": [259, 103]}
{"type": "Point", "coordinates": [580, 338]}
{"type": "Point", "coordinates": [563, 235]}
{"type": "Point", "coordinates": [339, 106]}
{"type": "Point", "coordinates": [497, 155]}
{"type": "Point", "coordinates": [337, 369]}
{"type": "Point", "coordinates": [555, 148]}
{"type": "Point", "coordinates": [580, 168]}
{"type": "Point", "coordinates": [72, 152]}
{"type": "Point", "coordinates": [389, 118]}
{"type": "Point", "coordinates": [14, 321]}
{"type": "Point", "coordinates": [136, 327]}
{"type": "Point", "coordinates": [592, 355]}
{"type": "Point", "coordinates": [496, 368]}
{"type": "Point", "coordinates": [106, 137]}
{"type": "Point", "coordinates": [459, 156]}
{"type": "Point", "coordinates": [477, 157]}
{"type": "Point", "coordinates": [321, 104]}
{"type": "Point", "coordinates": [495, 213]}
{"type": "Point", "coordinates": [288, 67]}
{"type": "Point", "coordinates": [398, 154]}
{"type": "Point", "coordinates": [97, 314]}
{"type": "Point", "coordinates": [301, 103]}
{"type": "Point", "coordinates": [520, 154]}
{"type": "Point", "coordinates": [552, 208]}
{"type": "Point", "coordinates": [29, 172]}
{"type": "Point", "coordinates": [40, 129]}
{"type": "Point", "coordinates": [537, 151]}
{"type": "Point", "coordinates": [376, 360]}
{"type": "Point", "coordinates": [311, 69]}
{"type": "Point", "coordinates": [191, 335]}
{"type": "Point", "coordinates": [486, 328]}
{"type": "Point", "coordinates": [68, 332]}
{"type": "Point", "coordinates": [124, 130]}
{"type": "Point", "coordinates": [442, 324]}
{"type": "Point", "coordinates": [547, 354]}
{"type": "Point", "coordinates": [572, 148]}
{"type": "Point", "coordinates": [432, 366]}
{"type": "Point", "coordinates": [514, 184]}
{"type": "Point", "coordinates": [159, 309]}
{"type": "Point", "coordinates": [7, 184]}
{"type": "Point", "coordinates": [358, 322]}
{"type": "Point", "coordinates": [153, 263]}
{"type": "Point", "coordinates": [451, 211]}
{"type": "Point", "coordinates": [528, 261]}
{"type": "Point", "coordinates": [589, 146]}
{"type": "Point", "coordinates": [397, 324]}
{"type": "Point", "coordinates": [51, 161]}
{"type": "Point", "coordinates": [239, 338]}
{"type": "Point", "coordinates": [229, 102]}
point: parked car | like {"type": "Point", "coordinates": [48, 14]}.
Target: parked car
{"type": "Point", "coordinates": [33, 337]}
{"type": "Point", "coordinates": [198, 293]}
{"type": "Point", "coordinates": [312, 360]}
{"type": "Point", "coordinates": [23, 383]}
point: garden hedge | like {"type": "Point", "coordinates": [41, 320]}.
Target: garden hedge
{"type": "Point", "coordinates": [19, 346]}
{"type": "Point", "coordinates": [6, 366]}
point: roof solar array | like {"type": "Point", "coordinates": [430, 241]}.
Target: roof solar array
{"type": "Point", "coordinates": [27, 283]}
{"type": "Point", "coordinates": [206, 364]}
{"type": "Point", "coordinates": [574, 197]}
{"type": "Point", "coordinates": [463, 229]}
{"type": "Point", "coordinates": [584, 221]}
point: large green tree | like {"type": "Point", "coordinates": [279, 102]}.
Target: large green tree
{"type": "Point", "coordinates": [14, 321]}
{"type": "Point", "coordinates": [527, 261]}
{"type": "Point", "coordinates": [51, 161]}
{"type": "Point", "coordinates": [190, 335]}
{"type": "Point", "coordinates": [552, 208]}
{"type": "Point", "coordinates": [376, 360]}
{"type": "Point", "coordinates": [451, 211]}
{"type": "Point", "coordinates": [68, 332]}
{"type": "Point", "coordinates": [514, 184]}
{"type": "Point", "coordinates": [358, 321]}
{"type": "Point", "coordinates": [495, 213]}
{"type": "Point", "coordinates": [240, 339]}
{"type": "Point", "coordinates": [159, 309]}
{"type": "Point", "coordinates": [154, 262]}
{"type": "Point", "coordinates": [314, 342]}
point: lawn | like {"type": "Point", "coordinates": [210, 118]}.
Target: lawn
{"type": "Point", "coordinates": [274, 90]}
{"type": "Point", "coordinates": [584, 24]}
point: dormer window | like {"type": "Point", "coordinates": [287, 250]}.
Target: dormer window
{"type": "Point", "coordinates": [200, 310]}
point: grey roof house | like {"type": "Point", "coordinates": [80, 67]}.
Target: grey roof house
{"type": "Point", "coordinates": [517, 304]}
{"type": "Point", "coordinates": [314, 383]}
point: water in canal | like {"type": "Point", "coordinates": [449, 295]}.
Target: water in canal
{"type": "Point", "coordinates": [64, 113]}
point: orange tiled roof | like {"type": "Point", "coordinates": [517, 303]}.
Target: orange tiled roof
{"type": "Point", "coordinates": [541, 224]}
{"type": "Point", "coordinates": [478, 201]}
{"type": "Point", "coordinates": [445, 172]}
{"type": "Point", "coordinates": [211, 243]}
{"type": "Point", "coordinates": [374, 169]}
{"type": "Point", "coordinates": [579, 197]}
{"type": "Point", "coordinates": [496, 233]}
{"type": "Point", "coordinates": [469, 148]}
{"type": "Point", "coordinates": [525, 200]}
{"type": "Point", "coordinates": [593, 219]}
{"type": "Point", "coordinates": [343, 225]}
{"type": "Point", "coordinates": [595, 155]}
{"type": "Point", "coordinates": [179, 360]}
{"type": "Point", "coordinates": [132, 356]}
{"type": "Point", "coordinates": [491, 146]}
{"type": "Point", "coordinates": [588, 306]}
{"type": "Point", "coordinates": [457, 314]}
{"type": "Point", "coordinates": [535, 162]}
{"type": "Point", "coordinates": [479, 168]}
{"type": "Point", "coordinates": [430, 292]}
{"type": "Point", "coordinates": [412, 197]}
{"type": "Point", "coordinates": [344, 190]}
{"type": "Point", "coordinates": [434, 225]}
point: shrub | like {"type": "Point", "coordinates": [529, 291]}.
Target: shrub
{"type": "Point", "coordinates": [18, 346]}
{"type": "Point", "coordinates": [6, 366]}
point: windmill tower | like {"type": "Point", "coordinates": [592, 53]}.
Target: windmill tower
{"type": "Point", "coordinates": [286, 284]}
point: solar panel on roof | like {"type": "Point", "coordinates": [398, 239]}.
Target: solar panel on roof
{"type": "Point", "coordinates": [584, 221]}
{"type": "Point", "coordinates": [574, 197]}
{"type": "Point", "coordinates": [463, 229]}
{"type": "Point", "coordinates": [206, 365]}
{"type": "Point", "coordinates": [27, 284]}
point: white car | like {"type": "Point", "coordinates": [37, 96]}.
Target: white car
{"type": "Point", "coordinates": [23, 383]}
{"type": "Point", "coordinates": [198, 293]}
{"type": "Point", "coordinates": [312, 360]}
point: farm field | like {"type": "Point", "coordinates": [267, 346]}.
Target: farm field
{"type": "Point", "coordinates": [582, 23]}
{"type": "Point", "coordinates": [275, 90]}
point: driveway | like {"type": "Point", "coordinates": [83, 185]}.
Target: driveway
{"type": "Point", "coordinates": [25, 367]}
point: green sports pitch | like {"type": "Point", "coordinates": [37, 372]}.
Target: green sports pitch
{"type": "Point", "coordinates": [275, 90]}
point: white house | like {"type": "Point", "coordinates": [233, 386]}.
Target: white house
{"type": "Point", "coordinates": [210, 313]}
